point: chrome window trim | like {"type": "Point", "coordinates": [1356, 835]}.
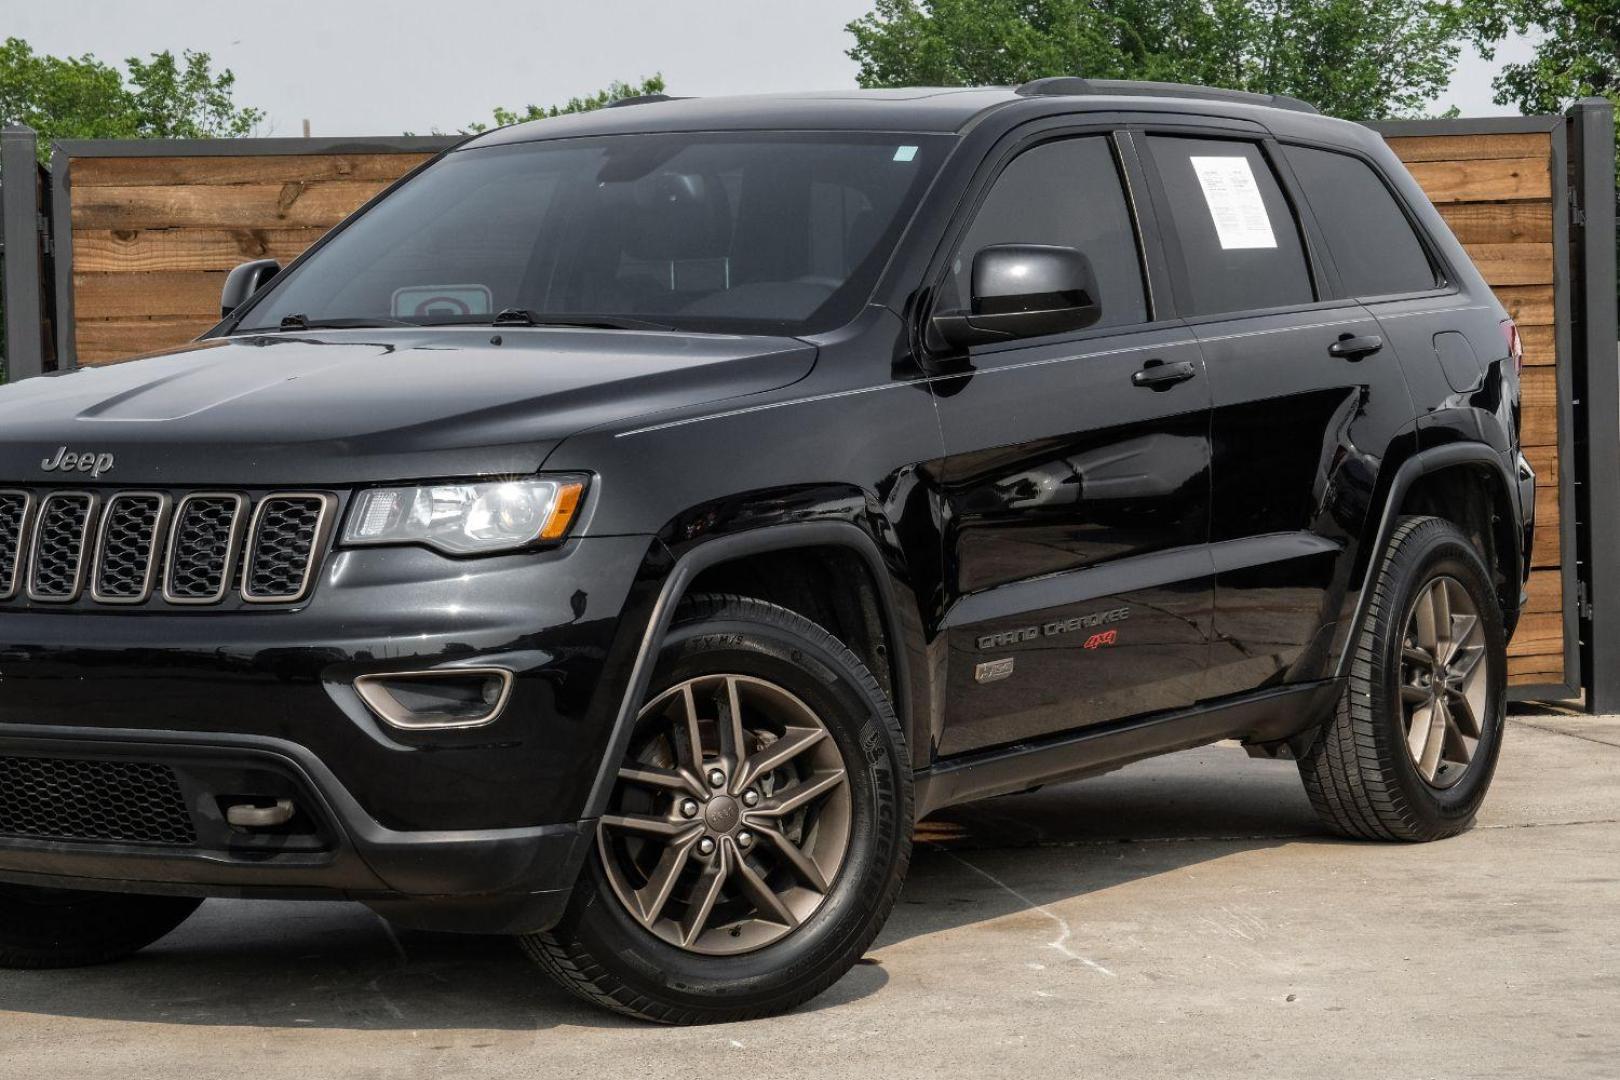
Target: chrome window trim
{"type": "Point", "coordinates": [84, 544]}
{"type": "Point", "coordinates": [19, 562]}
{"type": "Point", "coordinates": [233, 546]}
{"type": "Point", "coordinates": [156, 561]}
{"type": "Point", "coordinates": [322, 526]}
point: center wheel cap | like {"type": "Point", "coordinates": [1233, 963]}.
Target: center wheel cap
{"type": "Point", "coordinates": [722, 814]}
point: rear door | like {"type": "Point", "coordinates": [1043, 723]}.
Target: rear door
{"type": "Point", "coordinates": [1306, 397]}
{"type": "Point", "coordinates": [1078, 581]}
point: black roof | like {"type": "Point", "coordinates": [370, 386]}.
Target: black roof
{"type": "Point", "coordinates": [923, 109]}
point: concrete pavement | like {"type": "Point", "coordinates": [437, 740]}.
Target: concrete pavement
{"type": "Point", "coordinates": [1183, 917]}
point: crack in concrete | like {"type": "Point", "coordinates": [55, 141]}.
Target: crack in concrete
{"type": "Point", "coordinates": [1566, 734]}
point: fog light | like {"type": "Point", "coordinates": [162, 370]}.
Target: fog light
{"type": "Point", "coordinates": [442, 699]}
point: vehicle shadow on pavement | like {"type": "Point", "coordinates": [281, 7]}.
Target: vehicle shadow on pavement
{"type": "Point", "coordinates": [336, 966]}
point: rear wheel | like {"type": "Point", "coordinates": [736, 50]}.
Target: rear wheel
{"type": "Point", "coordinates": [758, 834]}
{"type": "Point", "coordinates": [60, 928]}
{"type": "Point", "coordinates": [1412, 747]}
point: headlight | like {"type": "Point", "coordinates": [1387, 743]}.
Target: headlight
{"type": "Point", "coordinates": [466, 519]}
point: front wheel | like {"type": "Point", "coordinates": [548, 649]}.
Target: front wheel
{"type": "Point", "coordinates": [1411, 750]}
{"type": "Point", "coordinates": [759, 832]}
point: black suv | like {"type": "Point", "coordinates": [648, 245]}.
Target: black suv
{"type": "Point", "coordinates": [619, 533]}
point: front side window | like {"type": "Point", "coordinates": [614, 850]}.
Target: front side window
{"type": "Point", "coordinates": [1371, 240]}
{"type": "Point", "coordinates": [1240, 245]}
{"type": "Point", "coordinates": [1066, 194]}
{"type": "Point", "coordinates": [730, 233]}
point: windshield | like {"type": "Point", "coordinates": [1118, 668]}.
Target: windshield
{"type": "Point", "coordinates": [746, 233]}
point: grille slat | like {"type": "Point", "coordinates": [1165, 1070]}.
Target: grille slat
{"type": "Point", "coordinates": [282, 549]}
{"type": "Point", "coordinates": [109, 801]}
{"type": "Point", "coordinates": [57, 568]}
{"type": "Point", "coordinates": [128, 552]}
{"type": "Point", "coordinates": [13, 523]}
{"type": "Point", "coordinates": [202, 548]}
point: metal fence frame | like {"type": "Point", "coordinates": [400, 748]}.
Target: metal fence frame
{"type": "Point", "coordinates": [65, 151]}
{"type": "Point", "coordinates": [24, 247]}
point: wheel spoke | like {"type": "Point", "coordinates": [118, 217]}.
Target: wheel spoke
{"type": "Point", "coordinates": [1417, 727]}
{"type": "Point", "coordinates": [1414, 655]}
{"type": "Point", "coordinates": [1434, 740]}
{"type": "Point", "coordinates": [800, 794]}
{"type": "Point", "coordinates": [801, 863]}
{"type": "Point", "coordinates": [653, 896]}
{"type": "Point", "coordinates": [1427, 627]}
{"type": "Point", "coordinates": [706, 895]}
{"type": "Point", "coordinates": [1413, 695]}
{"type": "Point", "coordinates": [663, 779]}
{"type": "Point", "coordinates": [761, 895]}
{"type": "Point", "coordinates": [647, 825]}
{"type": "Point", "coordinates": [733, 738]}
{"type": "Point", "coordinates": [693, 734]}
{"type": "Point", "coordinates": [1459, 747]}
{"type": "Point", "coordinates": [1465, 664]}
{"type": "Point", "coordinates": [1461, 711]}
{"type": "Point", "coordinates": [792, 743]}
{"type": "Point", "coordinates": [1440, 598]}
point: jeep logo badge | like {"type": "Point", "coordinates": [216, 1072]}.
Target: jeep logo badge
{"type": "Point", "coordinates": [85, 461]}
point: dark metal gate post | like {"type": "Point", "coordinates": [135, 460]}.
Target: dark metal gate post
{"type": "Point", "coordinates": [21, 236]}
{"type": "Point", "coordinates": [1597, 353]}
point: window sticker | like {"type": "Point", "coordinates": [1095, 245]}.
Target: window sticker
{"type": "Point", "coordinates": [1234, 202]}
{"type": "Point", "coordinates": [905, 153]}
{"type": "Point", "coordinates": [439, 301]}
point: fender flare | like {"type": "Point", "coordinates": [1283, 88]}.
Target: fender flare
{"type": "Point", "coordinates": [756, 541]}
{"type": "Point", "coordinates": [1409, 472]}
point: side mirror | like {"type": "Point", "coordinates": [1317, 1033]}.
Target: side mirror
{"type": "Point", "coordinates": [244, 281]}
{"type": "Point", "coordinates": [1020, 291]}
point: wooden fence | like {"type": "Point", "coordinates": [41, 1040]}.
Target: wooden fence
{"type": "Point", "coordinates": [154, 228]}
{"type": "Point", "coordinates": [1495, 190]}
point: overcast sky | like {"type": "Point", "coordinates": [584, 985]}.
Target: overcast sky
{"type": "Point", "coordinates": [381, 67]}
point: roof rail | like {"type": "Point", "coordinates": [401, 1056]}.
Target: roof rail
{"type": "Point", "coordinates": [640, 99]}
{"type": "Point", "coordinates": [1064, 85]}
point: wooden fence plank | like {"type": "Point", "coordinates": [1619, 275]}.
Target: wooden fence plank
{"type": "Point", "coordinates": [1545, 551]}
{"type": "Point", "coordinates": [1471, 147]}
{"type": "Point", "coordinates": [1539, 386]}
{"type": "Point", "coordinates": [1546, 589]}
{"type": "Point", "coordinates": [1538, 632]}
{"type": "Point", "coordinates": [1547, 512]}
{"type": "Point", "coordinates": [167, 292]}
{"type": "Point", "coordinates": [104, 340]}
{"type": "Point", "coordinates": [1490, 180]}
{"type": "Point", "coordinates": [321, 204]}
{"type": "Point", "coordinates": [137, 250]}
{"type": "Point", "coordinates": [1538, 425]}
{"type": "Point", "coordinates": [1540, 345]}
{"type": "Point", "coordinates": [262, 169]}
{"type": "Point", "coordinates": [1513, 264]}
{"type": "Point", "coordinates": [1544, 460]}
{"type": "Point", "coordinates": [1530, 305]}
{"type": "Point", "coordinates": [1530, 670]}
{"type": "Point", "coordinates": [1500, 223]}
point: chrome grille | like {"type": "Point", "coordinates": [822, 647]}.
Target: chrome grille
{"type": "Point", "coordinates": [13, 520]}
{"type": "Point", "coordinates": [128, 554]}
{"type": "Point", "coordinates": [202, 548]}
{"type": "Point", "coordinates": [57, 567]}
{"type": "Point", "coordinates": [282, 547]}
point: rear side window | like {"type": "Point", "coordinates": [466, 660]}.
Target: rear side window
{"type": "Point", "coordinates": [1067, 194]}
{"type": "Point", "coordinates": [1240, 244]}
{"type": "Point", "coordinates": [1371, 240]}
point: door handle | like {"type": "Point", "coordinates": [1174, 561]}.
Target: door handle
{"type": "Point", "coordinates": [1354, 347]}
{"type": "Point", "coordinates": [1158, 375]}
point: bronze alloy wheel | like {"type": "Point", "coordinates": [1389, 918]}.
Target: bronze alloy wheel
{"type": "Point", "coordinates": [731, 816]}
{"type": "Point", "coordinates": [1445, 677]}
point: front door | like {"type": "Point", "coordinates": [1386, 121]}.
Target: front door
{"type": "Point", "coordinates": [1077, 480]}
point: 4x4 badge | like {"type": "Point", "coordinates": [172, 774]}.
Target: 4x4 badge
{"type": "Point", "coordinates": [84, 461]}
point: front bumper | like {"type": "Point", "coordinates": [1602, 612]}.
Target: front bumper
{"type": "Point", "coordinates": [479, 830]}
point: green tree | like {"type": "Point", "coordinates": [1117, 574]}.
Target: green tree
{"type": "Point", "coordinates": [616, 91]}
{"type": "Point", "coordinates": [1350, 58]}
{"type": "Point", "coordinates": [80, 97]}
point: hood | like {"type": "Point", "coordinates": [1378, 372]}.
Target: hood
{"type": "Point", "coordinates": [366, 405]}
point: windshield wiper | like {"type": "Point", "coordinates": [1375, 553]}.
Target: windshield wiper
{"type": "Point", "coordinates": [304, 322]}
{"type": "Point", "coordinates": [525, 317]}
